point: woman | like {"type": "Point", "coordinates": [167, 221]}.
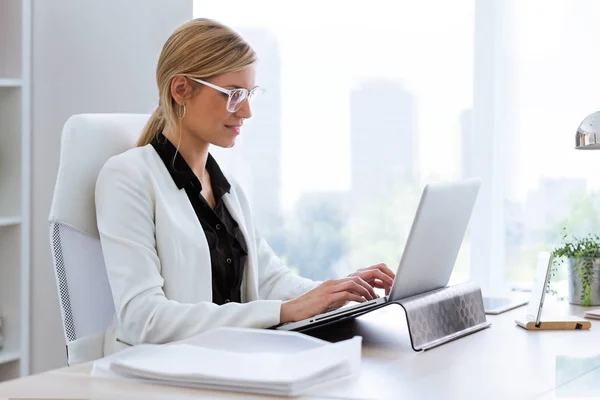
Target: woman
{"type": "Point", "coordinates": [177, 234]}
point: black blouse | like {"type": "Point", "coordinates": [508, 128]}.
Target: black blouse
{"type": "Point", "coordinates": [228, 250]}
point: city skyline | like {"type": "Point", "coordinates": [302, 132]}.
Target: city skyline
{"type": "Point", "coordinates": [383, 137]}
{"type": "Point", "coordinates": [311, 124]}
{"type": "Point", "coordinates": [529, 115]}
{"type": "Point", "coordinates": [263, 148]}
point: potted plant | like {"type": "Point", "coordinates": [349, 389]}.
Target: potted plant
{"type": "Point", "coordinates": [582, 258]}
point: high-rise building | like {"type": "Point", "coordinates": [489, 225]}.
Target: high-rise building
{"type": "Point", "coordinates": [261, 145]}
{"type": "Point", "coordinates": [383, 136]}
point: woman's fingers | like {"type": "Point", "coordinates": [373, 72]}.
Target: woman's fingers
{"type": "Point", "coordinates": [353, 288]}
{"type": "Point", "coordinates": [384, 268]}
{"type": "Point", "coordinates": [358, 285]}
{"type": "Point", "coordinates": [379, 284]}
{"type": "Point", "coordinates": [345, 296]}
{"type": "Point", "coordinates": [370, 275]}
{"type": "Point", "coordinates": [381, 267]}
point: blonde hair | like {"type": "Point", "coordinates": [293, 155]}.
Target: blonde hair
{"type": "Point", "coordinates": [201, 48]}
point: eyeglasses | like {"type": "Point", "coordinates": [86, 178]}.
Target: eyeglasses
{"type": "Point", "coordinates": [236, 96]}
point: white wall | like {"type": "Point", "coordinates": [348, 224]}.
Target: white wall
{"type": "Point", "coordinates": [88, 56]}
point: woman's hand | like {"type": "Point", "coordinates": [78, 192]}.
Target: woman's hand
{"type": "Point", "coordinates": [379, 276]}
{"type": "Point", "coordinates": [330, 294]}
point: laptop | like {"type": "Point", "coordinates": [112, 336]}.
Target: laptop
{"type": "Point", "coordinates": [432, 246]}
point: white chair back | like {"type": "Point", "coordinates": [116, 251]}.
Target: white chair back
{"type": "Point", "coordinates": [87, 308]}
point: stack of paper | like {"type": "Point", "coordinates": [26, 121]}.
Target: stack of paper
{"type": "Point", "coordinates": [595, 313]}
{"type": "Point", "coordinates": [254, 370]}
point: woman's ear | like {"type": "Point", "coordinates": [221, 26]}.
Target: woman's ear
{"type": "Point", "coordinates": [181, 89]}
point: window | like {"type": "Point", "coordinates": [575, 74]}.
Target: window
{"type": "Point", "coordinates": [549, 81]}
{"type": "Point", "coordinates": [366, 104]}
{"type": "Point", "coordinates": [363, 106]}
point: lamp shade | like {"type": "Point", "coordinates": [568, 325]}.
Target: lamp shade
{"type": "Point", "coordinates": [588, 133]}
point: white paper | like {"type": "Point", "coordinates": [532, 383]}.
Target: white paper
{"type": "Point", "coordinates": [252, 340]}
{"type": "Point", "coordinates": [249, 363]}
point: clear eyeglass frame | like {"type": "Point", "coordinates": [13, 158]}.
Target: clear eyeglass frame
{"type": "Point", "coordinates": [236, 97]}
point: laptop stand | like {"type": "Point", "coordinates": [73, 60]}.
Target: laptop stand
{"type": "Point", "coordinates": [442, 315]}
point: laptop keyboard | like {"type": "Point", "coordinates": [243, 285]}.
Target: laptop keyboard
{"type": "Point", "coordinates": [339, 311]}
{"type": "Point", "coordinates": [345, 308]}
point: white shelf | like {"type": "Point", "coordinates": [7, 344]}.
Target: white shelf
{"type": "Point", "coordinates": [7, 356]}
{"type": "Point", "coordinates": [15, 152]}
{"type": "Point", "coordinates": [9, 221]}
{"type": "Point", "coordinates": [10, 83]}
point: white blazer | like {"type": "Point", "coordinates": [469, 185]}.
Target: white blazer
{"type": "Point", "coordinates": [158, 260]}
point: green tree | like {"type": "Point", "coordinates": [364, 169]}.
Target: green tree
{"type": "Point", "coordinates": [583, 219]}
{"type": "Point", "coordinates": [314, 235]}
{"type": "Point", "coordinates": [378, 226]}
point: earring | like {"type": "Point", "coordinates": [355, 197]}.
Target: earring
{"type": "Point", "coordinates": [184, 111]}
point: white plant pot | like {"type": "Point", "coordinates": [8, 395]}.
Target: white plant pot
{"type": "Point", "coordinates": [575, 287]}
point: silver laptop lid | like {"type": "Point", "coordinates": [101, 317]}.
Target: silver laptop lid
{"type": "Point", "coordinates": [435, 237]}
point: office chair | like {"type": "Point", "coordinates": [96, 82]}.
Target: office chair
{"type": "Point", "coordinates": [86, 304]}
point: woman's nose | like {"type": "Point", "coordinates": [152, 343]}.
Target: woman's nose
{"type": "Point", "coordinates": [245, 110]}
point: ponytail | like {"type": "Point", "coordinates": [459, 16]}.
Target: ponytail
{"type": "Point", "coordinates": [154, 126]}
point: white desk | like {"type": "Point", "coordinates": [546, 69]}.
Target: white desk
{"type": "Point", "coordinates": [501, 362]}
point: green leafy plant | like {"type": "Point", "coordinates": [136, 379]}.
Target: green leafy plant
{"type": "Point", "coordinates": [583, 251]}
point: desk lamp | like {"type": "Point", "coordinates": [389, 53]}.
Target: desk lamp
{"type": "Point", "coordinates": [588, 133]}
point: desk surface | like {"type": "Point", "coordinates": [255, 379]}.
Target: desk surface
{"type": "Point", "coordinates": [501, 362]}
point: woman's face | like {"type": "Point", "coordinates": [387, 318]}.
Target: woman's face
{"type": "Point", "coordinates": [207, 118]}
